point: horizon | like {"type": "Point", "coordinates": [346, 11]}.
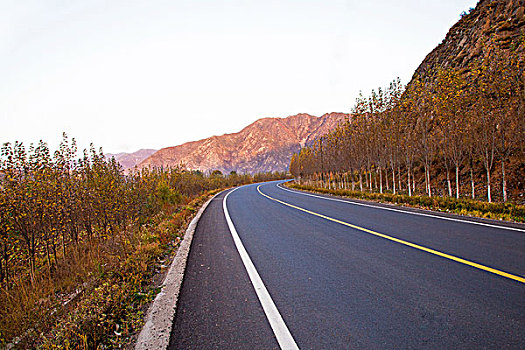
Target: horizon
{"type": "Point", "coordinates": [141, 77]}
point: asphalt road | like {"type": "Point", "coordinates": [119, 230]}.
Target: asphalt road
{"type": "Point", "coordinates": [343, 287]}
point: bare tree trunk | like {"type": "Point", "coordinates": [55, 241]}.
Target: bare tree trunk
{"type": "Point", "coordinates": [32, 270]}
{"type": "Point", "coordinates": [54, 251]}
{"type": "Point", "coordinates": [393, 180]}
{"type": "Point", "coordinates": [413, 182]}
{"type": "Point", "coordinates": [399, 177]}
{"type": "Point", "coordinates": [504, 181]}
{"type": "Point", "coordinates": [457, 182]}
{"type": "Point", "coordinates": [380, 180]}
{"type": "Point", "coordinates": [408, 183]}
{"type": "Point", "coordinates": [449, 185]}
{"type": "Point", "coordinates": [428, 182]}
{"type": "Point", "coordinates": [488, 187]}
{"type": "Point", "coordinates": [472, 182]}
{"type": "Point", "coordinates": [48, 258]}
{"type": "Point", "coordinates": [361, 180]}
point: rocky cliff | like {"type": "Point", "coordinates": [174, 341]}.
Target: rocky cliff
{"type": "Point", "coordinates": [491, 24]}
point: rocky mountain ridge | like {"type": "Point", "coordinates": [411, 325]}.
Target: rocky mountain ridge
{"type": "Point", "coordinates": [265, 145]}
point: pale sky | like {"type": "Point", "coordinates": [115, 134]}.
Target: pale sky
{"type": "Point", "coordinates": [130, 74]}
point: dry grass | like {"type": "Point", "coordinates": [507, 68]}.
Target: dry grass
{"type": "Point", "coordinates": [95, 296]}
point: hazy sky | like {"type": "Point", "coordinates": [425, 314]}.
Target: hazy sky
{"type": "Point", "coordinates": [150, 74]}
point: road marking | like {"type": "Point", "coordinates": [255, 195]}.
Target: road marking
{"type": "Point", "coordinates": [397, 240]}
{"type": "Point", "coordinates": [283, 335]}
{"type": "Point", "coordinates": [403, 211]}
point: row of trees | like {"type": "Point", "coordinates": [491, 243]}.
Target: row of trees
{"type": "Point", "coordinates": [49, 204]}
{"type": "Point", "coordinates": [455, 122]}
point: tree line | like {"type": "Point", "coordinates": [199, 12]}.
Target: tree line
{"type": "Point", "coordinates": [50, 203]}
{"type": "Point", "coordinates": [457, 122]}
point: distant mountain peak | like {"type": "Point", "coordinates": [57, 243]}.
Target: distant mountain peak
{"type": "Point", "coordinates": [130, 160]}
{"type": "Point", "coordinates": [265, 145]}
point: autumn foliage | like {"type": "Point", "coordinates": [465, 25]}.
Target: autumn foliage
{"type": "Point", "coordinates": [80, 241]}
{"type": "Point", "coordinates": [450, 134]}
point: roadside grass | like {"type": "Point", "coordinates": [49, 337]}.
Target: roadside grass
{"type": "Point", "coordinates": [96, 298]}
{"type": "Point", "coordinates": [462, 206]}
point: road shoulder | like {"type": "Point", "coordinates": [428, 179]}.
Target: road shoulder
{"type": "Point", "coordinates": [159, 320]}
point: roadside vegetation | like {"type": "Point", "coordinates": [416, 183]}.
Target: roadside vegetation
{"type": "Point", "coordinates": [457, 134]}
{"type": "Point", "coordinates": [462, 206]}
{"type": "Point", "coordinates": [81, 242]}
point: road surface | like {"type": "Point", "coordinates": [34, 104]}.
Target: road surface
{"type": "Point", "coordinates": [339, 275]}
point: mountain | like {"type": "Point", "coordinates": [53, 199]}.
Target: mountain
{"type": "Point", "coordinates": [265, 145]}
{"type": "Point", "coordinates": [130, 160]}
{"type": "Point", "coordinates": [492, 24]}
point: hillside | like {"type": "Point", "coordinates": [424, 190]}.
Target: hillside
{"type": "Point", "coordinates": [492, 24]}
{"type": "Point", "coordinates": [456, 130]}
{"type": "Point", "coordinates": [265, 145]}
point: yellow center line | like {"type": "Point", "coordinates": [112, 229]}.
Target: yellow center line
{"type": "Point", "coordinates": [397, 240]}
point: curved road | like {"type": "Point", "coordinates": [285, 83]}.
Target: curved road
{"type": "Point", "coordinates": [342, 275]}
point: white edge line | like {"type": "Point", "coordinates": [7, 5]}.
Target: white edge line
{"type": "Point", "coordinates": [281, 331]}
{"type": "Point", "coordinates": [402, 211]}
